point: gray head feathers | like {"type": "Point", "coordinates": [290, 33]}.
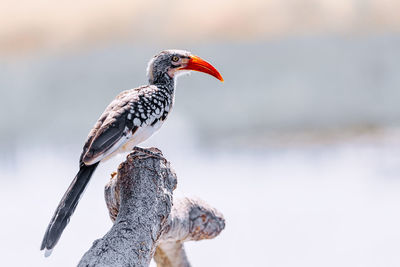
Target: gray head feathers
{"type": "Point", "coordinates": [160, 66]}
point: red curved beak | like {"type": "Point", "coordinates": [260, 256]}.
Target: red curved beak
{"type": "Point", "coordinates": [197, 64]}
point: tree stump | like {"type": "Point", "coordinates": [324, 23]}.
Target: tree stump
{"type": "Point", "coordinates": [147, 222]}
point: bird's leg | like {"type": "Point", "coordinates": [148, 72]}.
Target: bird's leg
{"type": "Point", "coordinates": [148, 153]}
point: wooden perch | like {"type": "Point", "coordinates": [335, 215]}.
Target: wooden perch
{"type": "Point", "coordinates": [190, 219]}
{"type": "Point", "coordinates": [145, 186]}
{"type": "Point", "coordinates": [139, 200]}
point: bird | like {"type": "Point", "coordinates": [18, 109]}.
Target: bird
{"type": "Point", "coordinates": [131, 118]}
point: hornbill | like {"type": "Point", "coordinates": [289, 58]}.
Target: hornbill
{"type": "Point", "coordinates": [131, 118]}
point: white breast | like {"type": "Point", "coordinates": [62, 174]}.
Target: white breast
{"type": "Point", "coordinates": [141, 135]}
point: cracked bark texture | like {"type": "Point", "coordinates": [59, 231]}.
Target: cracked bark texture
{"type": "Point", "coordinates": [190, 219]}
{"type": "Point", "coordinates": [144, 186]}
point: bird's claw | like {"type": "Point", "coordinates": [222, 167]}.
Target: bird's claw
{"type": "Point", "coordinates": [147, 153]}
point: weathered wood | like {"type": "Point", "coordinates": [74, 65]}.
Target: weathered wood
{"type": "Point", "coordinates": [144, 185]}
{"type": "Point", "coordinates": [190, 219]}
{"type": "Point", "coordinates": [141, 209]}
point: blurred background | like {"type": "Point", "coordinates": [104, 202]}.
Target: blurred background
{"type": "Point", "coordinates": [299, 148]}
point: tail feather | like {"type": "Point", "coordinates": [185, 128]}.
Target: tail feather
{"type": "Point", "coordinates": [66, 207]}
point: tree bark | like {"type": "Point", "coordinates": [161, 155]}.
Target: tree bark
{"type": "Point", "coordinates": [139, 200]}
{"type": "Point", "coordinates": [190, 219]}
{"type": "Point", "coordinates": [144, 186]}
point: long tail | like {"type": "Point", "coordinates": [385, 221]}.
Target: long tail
{"type": "Point", "coordinates": [66, 207]}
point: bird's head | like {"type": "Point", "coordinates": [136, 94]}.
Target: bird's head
{"type": "Point", "coordinates": [168, 64]}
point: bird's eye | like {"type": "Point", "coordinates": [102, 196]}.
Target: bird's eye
{"type": "Point", "coordinates": [175, 58]}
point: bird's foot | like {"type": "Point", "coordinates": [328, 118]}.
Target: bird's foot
{"type": "Point", "coordinates": [148, 153]}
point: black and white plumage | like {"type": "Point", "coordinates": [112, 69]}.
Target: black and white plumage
{"type": "Point", "coordinates": [131, 118]}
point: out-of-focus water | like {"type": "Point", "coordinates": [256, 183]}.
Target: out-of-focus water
{"type": "Point", "coordinates": [319, 205]}
{"type": "Point", "coordinates": [286, 85]}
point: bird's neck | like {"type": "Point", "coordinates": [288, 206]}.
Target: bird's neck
{"type": "Point", "coordinates": [163, 81]}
